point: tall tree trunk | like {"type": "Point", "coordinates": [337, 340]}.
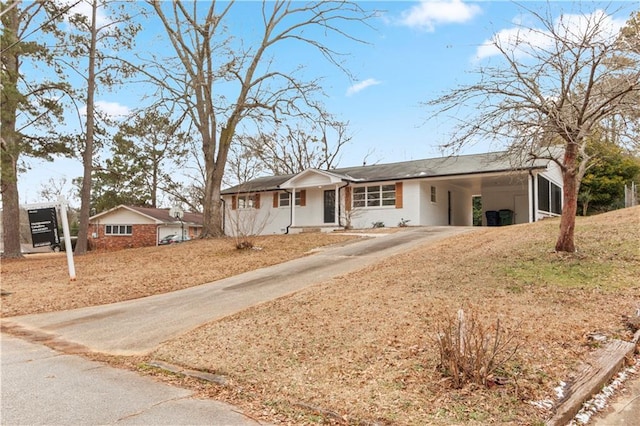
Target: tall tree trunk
{"type": "Point", "coordinates": [154, 184]}
{"type": "Point", "coordinates": [10, 141]}
{"type": "Point", "coordinates": [87, 157]}
{"type": "Point", "coordinates": [213, 206]}
{"type": "Point", "coordinates": [10, 205]}
{"type": "Point", "coordinates": [571, 185]}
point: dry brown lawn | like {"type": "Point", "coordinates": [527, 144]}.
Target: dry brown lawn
{"type": "Point", "coordinates": [40, 282]}
{"type": "Point", "coordinates": [360, 349]}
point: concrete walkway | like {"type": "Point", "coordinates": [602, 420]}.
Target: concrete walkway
{"type": "Point", "coordinates": [138, 326]}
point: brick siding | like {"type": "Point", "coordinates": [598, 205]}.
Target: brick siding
{"type": "Point", "coordinates": [141, 236]}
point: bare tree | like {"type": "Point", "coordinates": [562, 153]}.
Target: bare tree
{"type": "Point", "coordinates": [549, 93]}
{"type": "Point", "coordinates": [295, 149]}
{"type": "Point", "coordinates": [213, 65]}
{"type": "Point", "coordinates": [242, 164]}
{"type": "Point", "coordinates": [56, 188]}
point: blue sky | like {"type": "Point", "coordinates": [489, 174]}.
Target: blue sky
{"type": "Point", "coordinates": [418, 51]}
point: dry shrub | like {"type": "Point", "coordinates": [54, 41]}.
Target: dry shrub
{"type": "Point", "coordinates": [245, 242]}
{"type": "Point", "coordinates": [471, 352]}
{"type": "Point", "coordinates": [246, 225]}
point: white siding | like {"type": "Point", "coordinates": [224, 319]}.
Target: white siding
{"type": "Point", "coordinates": [437, 213]}
{"type": "Point", "coordinates": [553, 173]}
{"type": "Point", "coordinates": [124, 217]}
{"type": "Point", "coordinates": [390, 215]}
{"type": "Point", "coordinates": [312, 214]}
{"type": "Point", "coordinates": [267, 219]}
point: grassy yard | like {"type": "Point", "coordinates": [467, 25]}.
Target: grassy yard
{"type": "Point", "coordinates": [362, 348]}
{"type": "Point", "coordinates": [40, 283]}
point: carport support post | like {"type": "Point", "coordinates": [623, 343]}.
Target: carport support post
{"type": "Point", "coordinates": [67, 238]}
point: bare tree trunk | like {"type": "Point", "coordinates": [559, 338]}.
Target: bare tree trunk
{"type": "Point", "coordinates": [571, 185]}
{"type": "Point", "coordinates": [213, 210]}
{"type": "Point", "coordinates": [87, 157]}
{"type": "Point", "coordinates": [10, 144]}
{"type": "Point", "coordinates": [211, 215]}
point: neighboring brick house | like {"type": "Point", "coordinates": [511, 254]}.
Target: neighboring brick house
{"type": "Point", "coordinates": [131, 227]}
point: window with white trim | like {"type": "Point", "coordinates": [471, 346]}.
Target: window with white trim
{"type": "Point", "coordinates": [118, 229]}
{"type": "Point", "coordinates": [374, 196]}
{"type": "Point", "coordinates": [434, 194]}
{"type": "Point", "coordinates": [284, 199]}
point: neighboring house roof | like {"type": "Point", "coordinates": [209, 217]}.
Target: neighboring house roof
{"type": "Point", "coordinates": [494, 162]}
{"type": "Point", "coordinates": [160, 216]}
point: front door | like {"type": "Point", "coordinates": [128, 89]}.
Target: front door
{"type": "Point", "coordinates": [330, 206]}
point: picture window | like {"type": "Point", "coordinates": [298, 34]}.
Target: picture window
{"type": "Point", "coordinates": [374, 196]}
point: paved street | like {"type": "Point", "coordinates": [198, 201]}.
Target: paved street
{"type": "Point", "coordinates": [41, 386]}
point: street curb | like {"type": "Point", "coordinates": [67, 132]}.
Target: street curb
{"type": "Point", "coordinates": [592, 376]}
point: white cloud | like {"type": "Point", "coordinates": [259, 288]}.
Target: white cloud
{"type": "Point", "coordinates": [84, 8]}
{"type": "Point", "coordinates": [430, 13]}
{"type": "Point", "coordinates": [522, 40]}
{"type": "Point", "coordinates": [514, 39]}
{"type": "Point", "coordinates": [111, 109]}
{"type": "Point", "coordinates": [358, 87]}
{"type": "Point", "coordinates": [576, 25]}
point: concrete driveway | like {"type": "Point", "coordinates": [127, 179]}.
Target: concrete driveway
{"type": "Point", "coordinates": [138, 326]}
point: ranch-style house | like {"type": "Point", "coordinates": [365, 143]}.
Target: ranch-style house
{"type": "Point", "coordinates": [428, 192]}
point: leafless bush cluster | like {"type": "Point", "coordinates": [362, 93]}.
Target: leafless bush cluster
{"type": "Point", "coordinates": [471, 352]}
{"type": "Point", "coordinates": [245, 226]}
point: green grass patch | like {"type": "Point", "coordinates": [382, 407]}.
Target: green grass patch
{"type": "Point", "coordinates": [562, 273]}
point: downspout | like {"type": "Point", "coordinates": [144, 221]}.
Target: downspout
{"type": "Point", "coordinates": [533, 196]}
{"type": "Point", "coordinates": [224, 215]}
{"type": "Point", "coordinates": [339, 205]}
{"type": "Point", "coordinates": [292, 205]}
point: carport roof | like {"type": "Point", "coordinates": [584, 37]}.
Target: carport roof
{"type": "Point", "coordinates": [458, 165]}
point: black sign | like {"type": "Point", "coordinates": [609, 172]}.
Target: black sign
{"type": "Point", "coordinates": [44, 227]}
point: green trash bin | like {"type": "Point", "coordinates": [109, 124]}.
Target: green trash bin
{"type": "Point", "coordinates": [506, 217]}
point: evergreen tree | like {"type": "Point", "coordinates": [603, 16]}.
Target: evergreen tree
{"type": "Point", "coordinates": [143, 155]}
{"type": "Point", "coordinates": [602, 187]}
{"type": "Point", "coordinates": [29, 104]}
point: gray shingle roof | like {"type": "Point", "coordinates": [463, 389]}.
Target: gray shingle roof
{"type": "Point", "coordinates": [161, 215]}
{"type": "Point", "coordinates": [494, 162]}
